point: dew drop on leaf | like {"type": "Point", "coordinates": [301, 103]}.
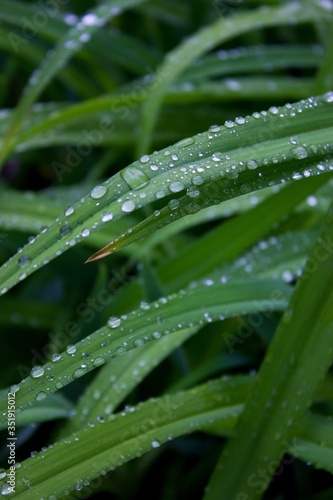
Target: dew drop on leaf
{"type": "Point", "coordinates": [40, 396]}
{"type": "Point", "coordinates": [113, 322]}
{"type": "Point", "coordinates": [24, 261]}
{"type": "Point", "coordinates": [185, 142]}
{"type": "Point", "coordinates": [85, 233]}
{"type": "Point", "coordinates": [98, 192]}
{"type": "Point", "coordinates": [37, 371]}
{"type": "Point", "coordinates": [128, 206]}
{"type": "Point", "coordinates": [176, 186]}
{"type": "Point", "coordinates": [252, 164]}
{"type": "Point", "coordinates": [107, 216]}
{"type": "Point", "coordinates": [69, 211]}
{"type": "Point", "coordinates": [71, 349]}
{"type": "Point", "coordinates": [144, 159]}
{"type": "Point", "coordinates": [299, 153]}
{"type": "Point", "coordinates": [134, 177]}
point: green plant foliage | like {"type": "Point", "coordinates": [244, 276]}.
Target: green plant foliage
{"type": "Point", "coordinates": [166, 249]}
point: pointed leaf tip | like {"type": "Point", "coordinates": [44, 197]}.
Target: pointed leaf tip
{"type": "Point", "coordinates": [99, 255]}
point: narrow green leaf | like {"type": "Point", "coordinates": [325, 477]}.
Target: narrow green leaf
{"type": "Point", "coordinates": [296, 362]}
{"type": "Point", "coordinates": [178, 312]}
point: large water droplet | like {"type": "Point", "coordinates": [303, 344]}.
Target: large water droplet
{"type": "Point", "coordinates": [144, 159]}
{"type": "Point", "coordinates": [252, 164]}
{"type": "Point", "coordinates": [98, 192]}
{"type": "Point", "coordinates": [6, 489]}
{"type": "Point", "coordinates": [40, 396]}
{"type": "Point", "coordinates": [85, 233]}
{"type": "Point", "coordinates": [300, 153]}
{"type": "Point", "coordinates": [134, 177]}
{"type": "Point", "coordinates": [128, 206]}
{"type": "Point", "coordinates": [185, 142]}
{"type": "Point", "coordinates": [64, 231]}
{"type": "Point", "coordinates": [176, 186]}
{"type": "Point", "coordinates": [71, 349]}
{"type": "Point", "coordinates": [24, 261]}
{"type": "Point", "coordinates": [113, 322]}
{"type": "Point", "coordinates": [69, 211]}
{"type": "Point", "coordinates": [37, 371]}
{"type": "Point", "coordinates": [107, 216]}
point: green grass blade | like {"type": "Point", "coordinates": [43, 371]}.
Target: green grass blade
{"type": "Point", "coordinates": [222, 30]}
{"type": "Point", "coordinates": [150, 322]}
{"type": "Point", "coordinates": [296, 362]}
{"type": "Point", "coordinates": [65, 49]}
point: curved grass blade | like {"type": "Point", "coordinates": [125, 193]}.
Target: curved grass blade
{"type": "Point", "coordinates": [55, 60]}
{"type": "Point", "coordinates": [222, 30]}
{"type": "Point", "coordinates": [251, 153]}
{"type": "Point", "coordinates": [116, 380]}
{"type": "Point", "coordinates": [268, 212]}
{"type": "Point", "coordinates": [75, 461]}
{"type": "Point", "coordinates": [178, 312]}
{"type": "Point", "coordinates": [254, 58]}
{"type": "Point", "coordinates": [298, 359]}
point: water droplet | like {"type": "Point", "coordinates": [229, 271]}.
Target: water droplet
{"type": "Point", "coordinates": [85, 233]}
{"type": "Point", "coordinates": [232, 84]}
{"type": "Point", "coordinates": [311, 201]}
{"type": "Point", "coordinates": [79, 372]}
{"type": "Point", "coordinates": [85, 37]}
{"type": "Point", "coordinates": [176, 186]}
{"type": "Point", "coordinates": [69, 211]}
{"type": "Point", "coordinates": [240, 120]}
{"type": "Point", "coordinates": [91, 19]}
{"type": "Point", "coordinates": [252, 164]}
{"type": "Point", "coordinates": [328, 97]}
{"type": "Point", "coordinates": [229, 124]}
{"type": "Point", "coordinates": [2, 473]}
{"type": "Point", "coordinates": [113, 322]}
{"type": "Point", "coordinates": [274, 110]}
{"type": "Point", "coordinates": [134, 177]}
{"type": "Point", "coordinates": [185, 142]}
{"type": "Point", "coordinates": [128, 206]}
{"type": "Point", "coordinates": [300, 153]}
{"type": "Point", "coordinates": [24, 261]}
{"type": "Point", "coordinates": [98, 361]}
{"type": "Point", "coordinates": [14, 388]}
{"type": "Point", "coordinates": [153, 168]}
{"type": "Point", "coordinates": [107, 216]}
{"type": "Point", "coordinates": [40, 396]}
{"type": "Point", "coordinates": [6, 489]}
{"type": "Point", "coordinates": [214, 128]}
{"type": "Point", "coordinates": [64, 231]}
{"type": "Point", "coordinates": [160, 194]}
{"type": "Point", "coordinates": [71, 19]}
{"type": "Point", "coordinates": [173, 204]}
{"type": "Point", "coordinates": [55, 357]}
{"type": "Point", "coordinates": [174, 157]}
{"type": "Point", "coordinates": [217, 157]}
{"type": "Point", "coordinates": [71, 349]}
{"type": "Point", "coordinates": [145, 159]}
{"type": "Point", "coordinates": [155, 443]}
{"type": "Point", "coordinates": [37, 371]}
{"type": "Point", "coordinates": [98, 192]}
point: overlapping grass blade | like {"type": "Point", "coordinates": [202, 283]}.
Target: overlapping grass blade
{"type": "Point", "coordinates": [54, 61]}
{"type": "Point", "coordinates": [175, 313]}
{"type": "Point", "coordinates": [222, 30]}
{"type": "Point", "coordinates": [296, 362]}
